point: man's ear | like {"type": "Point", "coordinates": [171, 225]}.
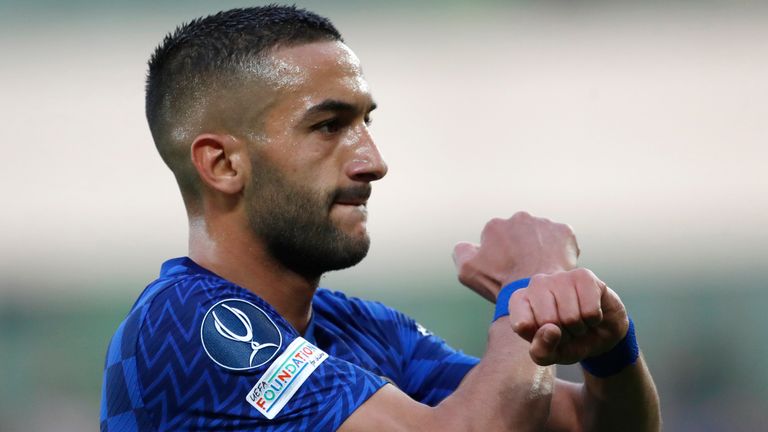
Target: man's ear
{"type": "Point", "coordinates": [221, 162]}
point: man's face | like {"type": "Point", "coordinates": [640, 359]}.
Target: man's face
{"type": "Point", "coordinates": [313, 160]}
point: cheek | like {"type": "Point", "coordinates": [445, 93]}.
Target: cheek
{"type": "Point", "coordinates": [298, 160]}
{"type": "Point", "coordinates": [322, 168]}
{"type": "Point", "coordinates": [310, 160]}
{"type": "Point", "coordinates": [319, 177]}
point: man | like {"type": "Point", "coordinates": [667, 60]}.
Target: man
{"type": "Point", "coordinates": [262, 115]}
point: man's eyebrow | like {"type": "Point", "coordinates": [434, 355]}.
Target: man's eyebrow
{"type": "Point", "coordinates": [334, 105]}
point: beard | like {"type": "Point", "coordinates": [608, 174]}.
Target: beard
{"type": "Point", "coordinates": [294, 222]}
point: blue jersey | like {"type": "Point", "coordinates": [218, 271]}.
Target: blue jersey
{"type": "Point", "coordinates": [197, 352]}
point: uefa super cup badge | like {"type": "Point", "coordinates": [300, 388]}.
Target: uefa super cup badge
{"type": "Point", "coordinates": [238, 335]}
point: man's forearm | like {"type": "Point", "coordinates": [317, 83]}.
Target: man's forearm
{"type": "Point", "coordinates": [506, 391]}
{"type": "Point", "coordinates": [626, 401]}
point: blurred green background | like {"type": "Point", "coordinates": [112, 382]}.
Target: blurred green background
{"type": "Point", "coordinates": [642, 124]}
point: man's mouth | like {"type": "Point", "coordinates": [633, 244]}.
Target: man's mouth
{"type": "Point", "coordinates": [353, 196]}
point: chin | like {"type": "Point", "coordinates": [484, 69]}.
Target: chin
{"type": "Point", "coordinates": [360, 233]}
{"type": "Point", "coordinates": [351, 251]}
{"type": "Point", "coordinates": [356, 229]}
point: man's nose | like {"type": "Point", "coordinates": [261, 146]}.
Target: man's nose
{"type": "Point", "coordinates": [366, 165]}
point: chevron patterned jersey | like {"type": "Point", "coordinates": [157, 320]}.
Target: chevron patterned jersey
{"type": "Point", "coordinates": [197, 352]}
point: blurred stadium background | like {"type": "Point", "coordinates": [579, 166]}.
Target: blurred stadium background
{"type": "Point", "coordinates": [642, 124]}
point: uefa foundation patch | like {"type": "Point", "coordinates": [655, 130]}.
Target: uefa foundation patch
{"type": "Point", "coordinates": [285, 376]}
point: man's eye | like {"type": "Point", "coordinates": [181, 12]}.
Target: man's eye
{"type": "Point", "coordinates": [329, 126]}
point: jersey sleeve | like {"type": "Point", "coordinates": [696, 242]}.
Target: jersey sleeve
{"type": "Point", "coordinates": [434, 369]}
{"type": "Point", "coordinates": [429, 369]}
{"type": "Point", "coordinates": [216, 357]}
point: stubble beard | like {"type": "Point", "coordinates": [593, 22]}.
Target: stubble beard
{"type": "Point", "coordinates": [294, 223]}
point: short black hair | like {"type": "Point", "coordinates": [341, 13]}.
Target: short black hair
{"type": "Point", "coordinates": [215, 49]}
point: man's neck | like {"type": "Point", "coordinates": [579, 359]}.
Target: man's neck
{"type": "Point", "coordinates": [241, 259]}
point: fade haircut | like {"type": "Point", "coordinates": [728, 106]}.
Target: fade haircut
{"type": "Point", "coordinates": [211, 53]}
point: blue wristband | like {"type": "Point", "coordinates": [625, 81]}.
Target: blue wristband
{"type": "Point", "coordinates": [502, 300]}
{"type": "Point", "coordinates": [625, 353]}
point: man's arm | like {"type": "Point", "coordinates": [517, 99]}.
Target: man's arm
{"type": "Point", "coordinates": [568, 315]}
{"type": "Point", "coordinates": [506, 391]}
{"type": "Point", "coordinates": [623, 400]}
{"type": "Point", "coordinates": [626, 401]}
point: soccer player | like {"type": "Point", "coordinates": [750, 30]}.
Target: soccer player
{"type": "Point", "coordinates": [262, 115]}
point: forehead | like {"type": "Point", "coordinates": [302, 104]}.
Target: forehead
{"type": "Point", "coordinates": [318, 71]}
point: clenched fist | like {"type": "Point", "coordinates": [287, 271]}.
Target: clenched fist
{"type": "Point", "coordinates": [566, 313]}
{"type": "Point", "coordinates": [512, 249]}
{"type": "Point", "coordinates": [567, 317]}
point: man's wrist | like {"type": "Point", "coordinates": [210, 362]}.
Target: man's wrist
{"type": "Point", "coordinates": [502, 300]}
{"type": "Point", "coordinates": [521, 274]}
{"type": "Point", "coordinates": [610, 363]}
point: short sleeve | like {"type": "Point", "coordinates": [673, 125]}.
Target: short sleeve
{"type": "Point", "coordinates": [213, 356]}
{"type": "Point", "coordinates": [426, 367]}
{"type": "Point", "coordinates": [434, 369]}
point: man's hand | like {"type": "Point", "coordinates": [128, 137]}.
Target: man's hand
{"type": "Point", "coordinates": [567, 317]}
{"type": "Point", "coordinates": [512, 249]}
{"type": "Point", "coordinates": [567, 314]}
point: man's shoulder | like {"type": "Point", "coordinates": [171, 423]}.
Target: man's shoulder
{"type": "Point", "coordinates": [370, 318]}
{"type": "Point", "coordinates": [164, 326]}
{"type": "Point", "coordinates": [337, 302]}
{"type": "Point", "coordinates": [204, 345]}
{"type": "Point", "coordinates": [184, 289]}
{"type": "Point", "coordinates": [187, 306]}
{"type": "Point", "coordinates": [165, 300]}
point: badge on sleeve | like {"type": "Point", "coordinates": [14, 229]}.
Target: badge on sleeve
{"type": "Point", "coordinates": [238, 335]}
{"type": "Point", "coordinates": [285, 376]}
